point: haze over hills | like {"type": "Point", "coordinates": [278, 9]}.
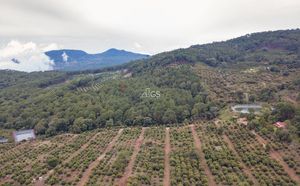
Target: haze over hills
{"type": "Point", "coordinates": [72, 60]}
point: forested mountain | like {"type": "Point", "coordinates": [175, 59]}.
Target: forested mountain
{"type": "Point", "coordinates": [171, 87]}
{"type": "Point", "coordinates": [277, 47]}
{"type": "Point", "coordinates": [73, 60]}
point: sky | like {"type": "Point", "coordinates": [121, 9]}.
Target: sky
{"type": "Point", "coordinates": [145, 26]}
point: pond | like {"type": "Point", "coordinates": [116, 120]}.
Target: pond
{"type": "Point", "coordinates": [245, 108]}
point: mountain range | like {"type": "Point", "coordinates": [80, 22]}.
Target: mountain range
{"type": "Point", "coordinates": [77, 60]}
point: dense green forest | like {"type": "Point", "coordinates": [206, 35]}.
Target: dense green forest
{"type": "Point", "coordinates": [171, 87]}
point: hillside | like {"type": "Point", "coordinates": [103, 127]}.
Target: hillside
{"type": "Point", "coordinates": [171, 87]}
{"type": "Point", "coordinates": [164, 120]}
{"type": "Point", "coordinates": [265, 48]}
{"type": "Point", "coordinates": [74, 60]}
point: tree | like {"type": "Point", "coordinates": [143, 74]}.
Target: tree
{"type": "Point", "coordinates": [283, 135]}
{"type": "Point", "coordinates": [80, 125]}
{"type": "Point", "coordinates": [40, 127]}
{"type": "Point", "coordinates": [284, 111]}
{"type": "Point", "coordinates": [169, 117]}
{"type": "Point", "coordinates": [252, 98]}
{"type": "Point", "coordinates": [52, 162]}
{"type": "Point", "coordinates": [110, 123]}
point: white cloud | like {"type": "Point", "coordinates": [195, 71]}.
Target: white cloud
{"type": "Point", "coordinates": [29, 56]}
{"type": "Point", "coordinates": [65, 57]}
{"type": "Point", "coordinates": [137, 45]}
{"type": "Point", "coordinates": [52, 46]}
{"type": "Point", "coordinates": [159, 25]}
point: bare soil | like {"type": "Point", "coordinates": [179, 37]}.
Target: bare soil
{"type": "Point", "coordinates": [129, 168]}
{"type": "Point", "coordinates": [197, 144]}
{"type": "Point", "coordinates": [289, 99]}
{"type": "Point", "coordinates": [166, 181]}
{"type": "Point", "coordinates": [292, 174]}
{"type": "Point", "coordinates": [89, 170]}
{"type": "Point", "coordinates": [277, 156]}
{"type": "Point", "coordinates": [246, 170]}
{"type": "Point", "coordinates": [261, 140]}
{"type": "Point", "coordinates": [41, 182]}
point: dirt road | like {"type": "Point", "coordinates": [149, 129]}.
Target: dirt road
{"type": "Point", "coordinates": [129, 168]}
{"type": "Point", "coordinates": [89, 170]}
{"type": "Point", "coordinates": [197, 143]}
{"type": "Point", "coordinates": [167, 158]}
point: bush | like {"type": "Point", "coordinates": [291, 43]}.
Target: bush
{"type": "Point", "coordinates": [52, 162]}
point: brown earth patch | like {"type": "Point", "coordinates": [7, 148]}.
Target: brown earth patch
{"type": "Point", "coordinates": [292, 174]}
{"type": "Point", "coordinates": [41, 180]}
{"type": "Point", "coordinates": [197, 144]}
{"type": "Point", "coordinates": [129, 168]}
{"type": "Point", "coordinates": [277, 156]}
{"type": "Point", "coordinates": [166, 181]}
{"type": "Point", "coordinates": [89, 170]}
{"type": "Point", "coordinates": [246, 170]}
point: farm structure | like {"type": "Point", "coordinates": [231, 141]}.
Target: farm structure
{"type": "Point", "coordinates": [23, 135]}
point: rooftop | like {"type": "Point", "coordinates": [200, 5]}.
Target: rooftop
{"type": "Point", "coordinates": [279, 124]}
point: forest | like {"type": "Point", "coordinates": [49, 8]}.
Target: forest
{"type": "Point", "coordinates": [193, 83]}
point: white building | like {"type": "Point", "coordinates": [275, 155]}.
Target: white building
{"type": "Point", "coordinates": [3, 139]}
{"type": "Point", "coordinates": [23, 135]}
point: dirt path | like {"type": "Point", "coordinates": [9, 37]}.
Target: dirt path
{"type": "Point", "coordinates": [261, 140]}
{"type": "Point", "coordinates": [277, 156]}
{"type": "Point", "coordinates": [89, 170]}
{"type": "Point", "coordinates": [81, 149]}
{"type": "Point", "coordinates": [60, 145]}
{"type": "Point", "coordinates": [167, 158]}
{"type": "Point", "coordinates": [41, 180]}
{"type": "Point", "coordinates": [292, 174]}
{"type": "Point", "coordinates": [246, 170]}
{"type": "Point", "coordinates": [128, 170]}
{"type": "Point", "coordinates": [287, 98]}
{"type": "Point", "coordinates": [203, 163]}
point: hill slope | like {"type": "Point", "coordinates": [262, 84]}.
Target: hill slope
{"type": "Point", "coordinates": [171, 87]}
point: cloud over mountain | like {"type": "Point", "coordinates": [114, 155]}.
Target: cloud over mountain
{"type": "Point", "coordinates": [26, 57]}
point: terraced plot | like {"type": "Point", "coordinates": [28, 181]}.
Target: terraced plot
{"type": "Point", "coordinates": [204, 153]}
{"type": "Point", "coordinates": [223, 163]}
{"type": "Point", "coordinates": [149, 166]}
{"type": "Point", "coordinates": [290, 152]}
{"type": "Point", "coordinates": [70, 172]}
{"type": "Point", "coordinates": [111, 169]}
{"type": "Point", "coordinates": [265, 169]}
{"type": "Point", "coordinates": [185, 163]}
{"type": "Point", "coordinates": [25, 163]}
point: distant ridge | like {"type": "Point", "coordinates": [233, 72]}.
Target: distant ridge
{"type": "Point", "coordinates": [73, 60]}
